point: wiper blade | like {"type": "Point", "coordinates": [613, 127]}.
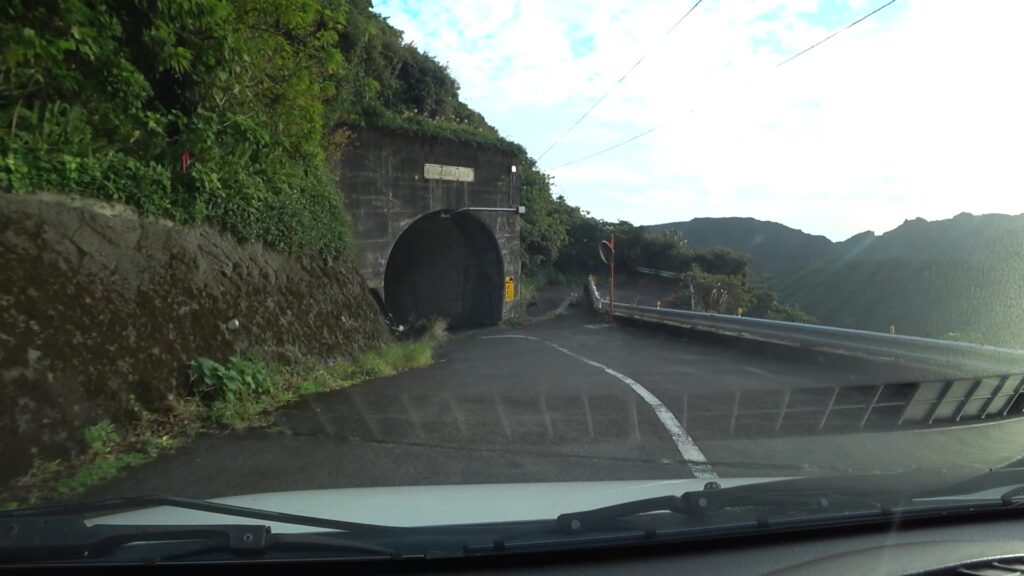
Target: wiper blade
{"type": "Point", "coordinates": [700, 504]}
{"type": "Point", "coordinates": [63, 538]}
{"type": "Point", "coordinates": [816, 497]}
{"type": "Point", "coordinates": [304, 543]}
{"type": "Point", "coordinates": [135, 502]}
{"type": "Point", "coordinates": [809, 496]}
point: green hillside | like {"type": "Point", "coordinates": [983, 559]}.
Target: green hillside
{"type": "Point", "coordinates": [218, 111]}
{"type": "Point", "coordinates": [950, 299]}
{"type": "Point", "coordinates": [961, 278]}
{"type": "Point", "coordinates": [995, 237]}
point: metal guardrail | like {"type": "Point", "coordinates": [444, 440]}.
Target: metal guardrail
{"type": "Point", "coordinates": [844, 409]}
{"type": "Point", "coordinates": [486, 416]}
{"type": "Point", "coordinates": [839, 409]}
{"type": "Point", "coordinates": [938, 353]}
{"type": "Point", "coordinates": [662, 273]}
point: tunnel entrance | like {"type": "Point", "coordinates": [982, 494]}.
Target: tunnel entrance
{"type": "Point", "coordinates": [448, 266]}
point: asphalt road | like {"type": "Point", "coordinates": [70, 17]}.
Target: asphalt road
{"type": "Point", "coordinates": [571, 398]}
{"type": "Point", "coordinates": [548, 299]}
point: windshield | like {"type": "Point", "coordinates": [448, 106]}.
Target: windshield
{"type": "Point", "coordinates": [405, 264]}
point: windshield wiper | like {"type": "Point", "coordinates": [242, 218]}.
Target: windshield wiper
{"type": "Point", "coordinates": [703, 503]}
{"type": "Point", "coordinates": [61, 531]}
{"type": "Point", "coordinates": [803, 498]}
{"type": "Point", "coordinates": [65, 538]}
{"type": "Point", "coordinates": [135, 502]}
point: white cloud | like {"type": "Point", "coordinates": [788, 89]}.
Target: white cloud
{"type": "Point", "coordinates": [913, 113]}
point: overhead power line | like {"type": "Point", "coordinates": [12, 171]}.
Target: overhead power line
{"type": "Point", "coordinates": [780, 64]}
{"type": "Point", "coordinates": [610, 148]}
{"type": "Point", "coordinates": [834, 34]}
{"type": "Point", "coordinates": [613, 86]}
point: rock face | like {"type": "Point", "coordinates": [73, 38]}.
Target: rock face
{"type": "Point", "coordinates": [99, 308]}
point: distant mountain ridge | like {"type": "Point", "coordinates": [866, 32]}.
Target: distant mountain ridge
{"type": "Point", "coordinates": [778, 250]}
{"type": "Point", "coordinates": [775, 249]}
{"type": "Point", "coordinates": [960, 278]}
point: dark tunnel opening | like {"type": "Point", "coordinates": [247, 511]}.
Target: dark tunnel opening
{"type": "Point", "coordinates": [448, 266]}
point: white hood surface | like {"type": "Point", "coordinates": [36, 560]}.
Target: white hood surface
{"type": "Point", "coordinates": [408, 506]}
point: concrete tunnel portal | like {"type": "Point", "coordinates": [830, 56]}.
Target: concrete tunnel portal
{"type": "Point", "coordinates": [446, 265]}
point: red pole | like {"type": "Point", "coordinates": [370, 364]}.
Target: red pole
{"type": "Point", "coordinates": [611, 264]}
{"type": "Point", "coordinates": [611, 296]}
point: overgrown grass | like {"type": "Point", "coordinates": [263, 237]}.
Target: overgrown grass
{"type": "Point", "coordinates": [527, 292]}
{"type": "Point", "coordinates": [417, 125]}
{"type": "Point", "coordinates": [109, 453]}
{"type": "Point", "coordinates": [243, 393]}
{"type": "Point", "coordinates": [281, 384]}
{"type": "Point", "coordinates": [288, 207]}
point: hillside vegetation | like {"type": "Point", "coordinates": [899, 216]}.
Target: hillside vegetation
{"type": "Point", "coordinates": [961, 278]}
{"type": "Point", "coordinates": [953, 298]}
{"type": "Point", "coordinates": [212, 110]}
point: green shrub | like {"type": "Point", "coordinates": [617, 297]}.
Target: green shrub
{"type": "Point", "coordinates": [240, 394]}
{"type": "Point", "coordinates": [99, 470]}
{"type": "Point", "coordinates": [211, 379]}
{"type": "Point", "coordinates": [102, 436]}
{"type": "Point", "coordinates": [103, 100]}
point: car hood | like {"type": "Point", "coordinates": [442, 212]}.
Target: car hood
{"type": "Point", "coordinates": [409, 506]}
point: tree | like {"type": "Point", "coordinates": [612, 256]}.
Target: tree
{"type": "Point", "coordinates": [543, 230]}
{"type": "Point", "coordinates": [718, 293]}
{"type": "Point", "coordinates": [214, 110]}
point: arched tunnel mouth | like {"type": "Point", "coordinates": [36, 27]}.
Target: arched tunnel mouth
{"type": "Point", "coordinates": [447, 266]}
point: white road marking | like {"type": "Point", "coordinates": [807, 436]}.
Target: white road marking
{"type": "Point", "coordinates": [687, 447]}
{"type": "Point", "coordinates": [756, 370]}
{"type": "Point", "coordinates": [591, 326]}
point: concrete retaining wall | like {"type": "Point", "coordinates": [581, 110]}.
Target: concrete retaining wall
{"type": "Point", "coordinates": [100, 309]}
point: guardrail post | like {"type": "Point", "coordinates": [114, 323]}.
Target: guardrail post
{"type": "Point", "coordinates": [782, 409]}
{"type": "Point", "coordinates": [992, 397]}
{"type": "Point", "coordinates": [908, 405]}
{"type": "Point", "coordinates": [938, 402]}
{"type": "Point", "coordinates": [500, 408]}
{"type": "Point", "coordinates": [828, 409]}
{"type": "Point", "coordinates": [546, 414]}
{"type": "Point", "coordinates": [967, 398]}
{"type": "Point", "coordinates": [586, 412]}
{"type": "Point", "coordinates": [871, 406]}
{"type": "Point", "coordinates": [1013, 399]}
{"type": "Point", "coordinates": [735, 413]}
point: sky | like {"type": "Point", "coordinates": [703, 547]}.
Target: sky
{"type": "Point", "coordinates": [915, 112]}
